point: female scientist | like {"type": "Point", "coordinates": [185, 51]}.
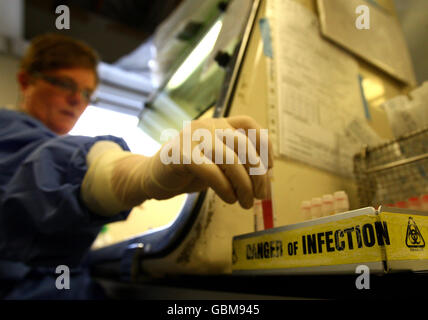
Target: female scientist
{"type": "Point", "coordinates": [57, 191]}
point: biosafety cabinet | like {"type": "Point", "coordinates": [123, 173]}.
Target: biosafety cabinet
{"type": "Point", "coordinates": [316, 74]}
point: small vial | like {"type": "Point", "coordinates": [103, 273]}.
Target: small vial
{"type": "Point", "coordinates": [401, 204]}
{"type": "Point", "coordinates": [414, 203]}
{"type": "Point", "coordinates": [424, 203]}
{"type": "Point", "coordinates": [327, 207]}
{"type": "Point", "coordinates": [341, 201]}
{"type": "Point", "coordinates": [316, 208]}
{"type": "Point", "coordinates": [267, 206]}
{"type": "Point", "coordinates": [268, 220]}
{"type": "Point", "coordinates": [258, 215]}
{"type": "Point", "coordinates": [305, 209]}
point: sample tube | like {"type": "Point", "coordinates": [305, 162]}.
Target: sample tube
{"type": "Point", "coordinates": [401, 204]}
{"type": "Point", "coordinates": [341, 201]}
{"type": "Point", "coordinates": [327, 206]}
{"type": "Point", "coordinates": [305, 208]}
{"type": "Point", "coordinates": [316, 208]}
{"type": "Point", "coordinates": [424, 202]}
{"type": "Point", "coordinates": [268, 214]}
{"type": "Point", "coordinates": [414, 203]}
{"type": "Point", "coordinates": [258, 215]}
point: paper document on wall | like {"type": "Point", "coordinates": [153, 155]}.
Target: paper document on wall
{"type": "Point", "coordinates": [382, 43]}
{"type": "Point", "coordinates": [407, 115]}
{"type": "Point", "coordinates": [314, 88]}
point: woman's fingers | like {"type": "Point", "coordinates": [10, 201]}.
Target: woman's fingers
{"type": "Point", "coordinates": [238, 143]}
{"type": "Point", "coordinates": [238, 176]}
{"type": "Point", "coordinates": [257, 135]}
{"type": "Point", "coordinates": [230, 155]}
{"type": "Point", "coordinates": [214, 178]}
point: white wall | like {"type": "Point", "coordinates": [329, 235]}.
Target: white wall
{"type": "Point", "coordinates": [9, 66]}
{"type": "Point", "coordinates": [11, 18]}
{"type": "Point", "coordinates": [11, 46]}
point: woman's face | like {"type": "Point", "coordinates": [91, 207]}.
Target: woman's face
{"type": "Point", "coordinates": [57, 97]}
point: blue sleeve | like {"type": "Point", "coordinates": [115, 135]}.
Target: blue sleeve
{"type": "Point", "coordinates": [42, 218]}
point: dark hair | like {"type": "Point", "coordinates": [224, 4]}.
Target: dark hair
{"type": "Point", "coordinates": [55, 51]}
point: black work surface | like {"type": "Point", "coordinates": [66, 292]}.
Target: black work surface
{"type": "Point", "coordinates": [388, 286]}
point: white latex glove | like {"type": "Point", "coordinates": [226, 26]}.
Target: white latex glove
{"type": "Point", "coordinates": [118, 180]}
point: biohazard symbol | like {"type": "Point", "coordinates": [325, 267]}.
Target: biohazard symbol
{"type": "Point", "coordinates": [414, 237]}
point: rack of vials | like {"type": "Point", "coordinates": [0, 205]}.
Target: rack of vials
{"type": "Point", "coordinates": [394, 173]}
{"type": "Point", "coordinates": [324, 206]}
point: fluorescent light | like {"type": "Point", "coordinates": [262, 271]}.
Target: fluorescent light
{"type": "Point", "coordinates": [198, 55]}
{"type": "Point", "coordinates": [98, 121]}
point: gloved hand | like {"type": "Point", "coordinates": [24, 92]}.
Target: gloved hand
{"type": "Point", "coordinates": [230, 155]}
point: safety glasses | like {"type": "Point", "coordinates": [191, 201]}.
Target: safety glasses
{"type": "Point", "coordinates": [67, 85]}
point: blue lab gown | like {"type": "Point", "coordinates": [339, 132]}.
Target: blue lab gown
{"type": "Point", "coordinates": [43, 222]}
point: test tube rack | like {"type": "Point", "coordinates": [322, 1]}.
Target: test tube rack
{"type": "Point", "coordinates": [393, 171]}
